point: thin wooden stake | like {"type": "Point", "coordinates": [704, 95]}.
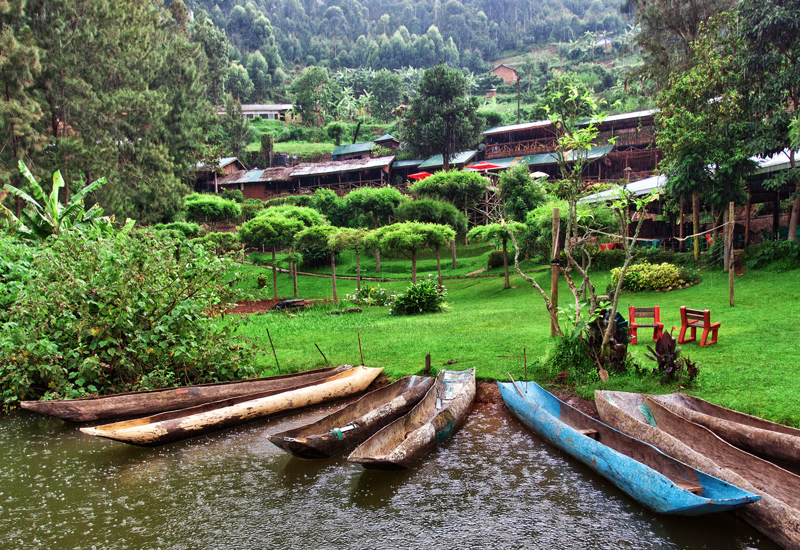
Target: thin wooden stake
{"type": "Point", "coordinates": [428, 364]}
{"type": "Point", "coordinates": [525, 362]}
{"type": "Point", "coordinates": [359, 349]}
{"type": "Point", "coordinates": [323, 355]}
{"type": "Point", "coordinates": [730, 249]}
{"type": "Point", "coordinates": [515, 385]}
{"type": "Point", "coordinates": [273, 352]}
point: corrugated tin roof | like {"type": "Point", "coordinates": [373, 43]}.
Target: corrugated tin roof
{"type": "Point", "coordinates": [353, 148]}
{"type": "Point", "coordinates": [385, 137]}
{"type": "Point", "coordinates": [549, 158]}
{"type": "Point", "coordinates": [624, 116]}
{"type": "Point", "coordinates": [459, 158]}
{"type": "Point", "coordinates": [277, 173]}
{"type": "Point", "coordinates": [406, 163]}
{"type": "Point", "coordinates": [638, 188]}
{"type": "Point", "coordinates": [223, 162]}
{"type": "Point", "coordinates": [242, 176]}
{"type": "Point", "coordinates": [777, 162]}
{"type": "Point", "coordinates": [350, 165]}
{"type": "Point", "coordinates": [517, 127]}
{"type": "Point", "coordinates": [266, 107]}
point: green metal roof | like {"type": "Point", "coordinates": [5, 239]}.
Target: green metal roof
{"type": "Point", "coordinates": [353, 148]}
{"type": "Point", "coordinates": [459, 158]}
{"type": "Point", "coordinates": [549, 158]}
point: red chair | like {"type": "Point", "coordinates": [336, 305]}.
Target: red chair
{"type": "Point", "coordinates": [645, 312]}
{"type": "Point", "coordinates": [694, 319]}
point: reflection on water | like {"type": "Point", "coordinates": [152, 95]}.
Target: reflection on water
{"type": "Point", "coordinates": [493, 485]}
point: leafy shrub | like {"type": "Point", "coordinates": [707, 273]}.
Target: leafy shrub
{"type": "Point", "coordinates": [250, 210]}
{"type": "Point", "coordinates": [188, 230]}
{"type": "Point", "coordinates": [371, 296]}
{"type": "Point", "coordinates": [669, 363]}
{"type": "Point", "coordinates": [103, 314]}
{"type": "Point", "coordinates": [234, 195]}
{"type": "Point", "coordinates": [496, 259]}
{"type": "Point", "coordinates": [211, 208]}
{"type": "Point", "coordinates": [646, 276]}
{"type": "Point", "coordinates": [570, 355]}
{"type": "Point", "coordinates": [220, 243]}
{"type": "Point", "coordinates": [263, 281]}
{"type": "Point", "coordinates": [427, 296]}
{"type": "Point", "coordinates": [291, 200]}
{"type": "Point", "coordinates": [16, 269]}
{"type": "Point", "coordinates": [774, 255]}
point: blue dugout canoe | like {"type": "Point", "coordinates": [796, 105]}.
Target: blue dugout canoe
{"type": "Point", "coordinates": [652, 478]}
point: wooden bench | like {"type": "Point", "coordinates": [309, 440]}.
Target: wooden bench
{"type": "Point", "coordinates": [645, 312]}
{"type": "Point", "coordinates": [691, 487]}
{"type": "Point", "coordinates": [697, 318]}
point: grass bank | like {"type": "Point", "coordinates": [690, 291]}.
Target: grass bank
{"type": "Point", "coordinates": [751, 369]}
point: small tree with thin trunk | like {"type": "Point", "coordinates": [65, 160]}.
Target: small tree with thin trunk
{"type": "Point", "coordinates": [272, 231]}
{"type": "Point", "coordinates": [323, 236]}
{"type": "Point", "coordinates": [428, 210]}
{"type": "Point", "coordinates": [408, 238]}
{"type": "Point", "coordinates": [350, 238]}
{"type": "Point", "coordinates": [500, 233]}
{"type": "Point", "coordinates": [376, 204]}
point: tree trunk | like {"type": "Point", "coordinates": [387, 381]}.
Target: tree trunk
{"type": "Point", "coordinates": [358, 272]}
{"type": "Point", "coordinates": [747, 223]}
{"type": "Point", "coordinates": [439, 265]}
{"type": "Point", "coordinates": [333, 275]}
{"type": "Point", "coordinates": [466, 231]}
{"type": "Point", "coordinates": [274, 275]}
{"type": "Point", "coordinates": [377, 252]}
{"type": "Point", "coordinates": [293, 265]}
{"type": "Point", "coordinates": [414, 267]}
{"type": "Point", "coordinates": [505, 263]}
{"type": "Point", "coordinates": [453, 246]}
{"type": "Point", "coordinates": [680, 230]}
{"type": "Point", "coordinates": [696, 224]}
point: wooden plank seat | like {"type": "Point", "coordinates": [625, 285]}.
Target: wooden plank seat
{"type": "Point", "coordinates": [636, 313]}
{"type": "Point", "coordinates": [594, 434]}
{"type": "Point", "coordinates": [693, 319]}
{"type": "Point", "coordinates": [692, 487]}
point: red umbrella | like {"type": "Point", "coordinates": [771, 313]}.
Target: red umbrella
{"type": "Point", "coordinates": [483, 165]}
{"type": "Point", "coordinates": [420, 175]}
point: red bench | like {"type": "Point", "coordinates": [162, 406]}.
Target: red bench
{"type": "Point", "coordinates": [645, 312]}
{"type": "Point", "coordinates": [694, 319]}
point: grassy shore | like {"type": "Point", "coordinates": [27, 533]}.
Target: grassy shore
{"type": "Point", "coordinates": [751, 369]}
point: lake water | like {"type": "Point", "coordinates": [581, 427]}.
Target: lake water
{"type": "Point", "coordinates": [494, 485]}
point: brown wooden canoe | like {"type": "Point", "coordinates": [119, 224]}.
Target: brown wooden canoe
{"type": "Point", "coordinates": [355, 423]}
{"type": "Point", "coordinates": [173, 426]}
{"type": "Point", "coordinates": [433, 420]}
{"type": "Point", "coordinates": [776, 515]}
{"type": "Point", "coordinates": [756, 435]}
{"type": "Point", "coordinates": [130, 404]}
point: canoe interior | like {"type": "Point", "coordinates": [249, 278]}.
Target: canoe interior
{"type": "Point", "coordinates": [756, 435]}
{"type": "Point", "coordinates": [654, 479]}
{"type": "Point", "coordinates": [121, 405]}
{"type": "Point", "coordinates": [700, 405]}
{"type": "Point", "coordinates": [762, 474]}
{"type": "Point", "coordinates": [433, 420]}
{"type": "Point", "coordinates": [354, 423]}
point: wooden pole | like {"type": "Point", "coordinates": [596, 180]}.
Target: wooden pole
{"type": "Point", "coordinates": [273, 352]}
{"type": "Point", "coordinates": [727, 243]}
{"type": "Point", "coordinates": [554, 270]}
{"type": "Point", "coordinates": [428, 364]}
{"type": "Point", "coordinates": [360, 351]}
{"type": "Point", "coordinates": [525, 363]}
{"type": "Point", "coordinates": [681, 230]}
{"type": "Point", "coordinates": [323, 355]}
{"type": "Point", "coordinates": [730, 247]}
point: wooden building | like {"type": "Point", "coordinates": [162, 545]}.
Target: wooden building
{"type": "Point", "coordinates": [353, 151]}
{"type": "Point", "coordinates": [342, 176]}
{"type": "Point", "coordinates": [208, 176]}
{"type": "Point", "coordinates": [267, 111]}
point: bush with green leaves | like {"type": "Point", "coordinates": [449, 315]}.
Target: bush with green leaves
{"type": "Point", "coordinates": [220, 242]}
{"type": "Point", "coordinates": [427, 296]}
{"type": "Point", "coordinates": [102, 314]}
{"type": "Point", "coordinates": [16, 268]}
{"type": "Point", "coordinates": [251, 210]}
{"type": "Point", "coordinates": [188, 230]}
{"type": "Point", "coordinates": [371, 296]}
{"type": "Point", "coordinates": [211, 209]}
{"type": "Point", "coordinates": [773, 255]}
{"type": "Point", "coordinates": [647, 276]}
{"type": "Point", "coordinates": [235, 195]}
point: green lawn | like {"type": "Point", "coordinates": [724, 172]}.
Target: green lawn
{"type": "Point", "coordinates": [751, 369]}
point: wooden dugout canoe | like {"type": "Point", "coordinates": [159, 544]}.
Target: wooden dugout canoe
{"type": "Point", "coordinates": [355, 423]}
{"type": "Point", "coordinates": [433, 420]}
{"type": "Point", "coordinates": [172, 426]}
{"type": "Point", "coordinates": [140, 403]}
{"type": "Point", "coordinates": [768, 439]}
{"type": "Point", "coordinates": [647, 475]}
{"type": "Point", "coordinates": [777, 515]}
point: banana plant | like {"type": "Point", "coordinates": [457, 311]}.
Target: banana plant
{"type": "Point", "coordinates": [45, 215]}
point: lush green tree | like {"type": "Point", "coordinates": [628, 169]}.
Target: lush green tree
{"type": "Point", "coordinates": [314, 94]}
{"type": "Point", "coordinates": [350, 238]}
{"type": "Point", "coordinates": [375, 205]}
{"type": "Point", "coordinates": [238, 131]}
{"type": "Point", "coordinates": [443, 118]}
{"type": "Point", "coordinates": [705, 126]}
{"type": "Point", "coordinates": [409, 238]}
{"type": "Point", "coordinates": [499, 233]}
{"type": "Point", "coordinates": [386, 91]}
{"type": "Point", "coordinates": [211, 209]}
{"type": "Point", "coordinates": [271, 231]}
{"type": "Point", "coordinates": [427, 210]}
{"type": "Point", "coordinates": [520, 193]}
{"type": "Point", "coordinates": [238, 84]}
{"type": "Point", "coordinates": [771, 52]}
{"type": "Point", "coordinates": [215, 47]}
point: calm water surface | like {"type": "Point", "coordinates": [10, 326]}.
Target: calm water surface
{"type": "Point", "coordinates": [494, 485]}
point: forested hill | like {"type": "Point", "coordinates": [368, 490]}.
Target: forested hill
{"type": "Point", "coordinates": [393, 34]}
